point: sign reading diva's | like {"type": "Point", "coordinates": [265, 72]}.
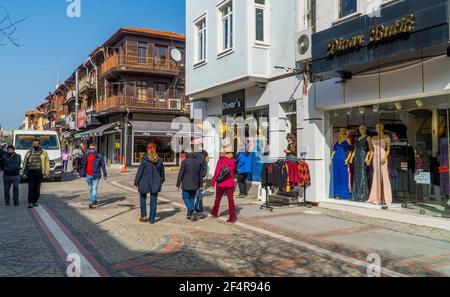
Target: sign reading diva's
{"type": "Point", "coordinates": [233, 103]}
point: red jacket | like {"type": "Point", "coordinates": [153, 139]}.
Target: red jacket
{"type": "Point", "coordinates": [229, 182]}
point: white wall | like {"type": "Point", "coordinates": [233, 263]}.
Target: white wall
{"type": "Point", "coordinates": [248, 58]}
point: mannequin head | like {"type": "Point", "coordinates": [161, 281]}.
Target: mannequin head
{"type": "Point", "coordinates": [363, 129]}
{"type": "Point", "coordinates": [379, 128]}
{"type": "Point", "coordinates": [342, 133]}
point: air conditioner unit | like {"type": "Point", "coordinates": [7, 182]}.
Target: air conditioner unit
{"type": "Point", "coordinates": [304, 45]}
{"type": "Point", "coordinates": [175, 104]}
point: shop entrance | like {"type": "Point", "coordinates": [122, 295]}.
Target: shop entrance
{"type": "Point", "coordinates": [415, 139]}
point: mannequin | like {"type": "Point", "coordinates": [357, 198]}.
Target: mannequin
{"type": "Point", "coordinates": [380, 146]}
{"type": "Point", "coordinates": [341, 158]}
{"type": "Point", "coordinates": [360, 159]}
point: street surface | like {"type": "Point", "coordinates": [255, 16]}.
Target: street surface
{"type": "Point", "coordinates": [110, 241]}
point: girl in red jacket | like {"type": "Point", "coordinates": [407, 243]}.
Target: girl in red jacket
{"type": "Point", "coordinates": [226, 185]}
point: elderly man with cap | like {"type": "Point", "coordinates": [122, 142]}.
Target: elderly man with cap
{"type": "Point", "coordinates": [11, 163]}
{"type": "Point", "coordinates": [36, 167]}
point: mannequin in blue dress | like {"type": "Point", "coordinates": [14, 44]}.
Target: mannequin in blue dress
{"type": "Point", "coordinates": [342, 152]}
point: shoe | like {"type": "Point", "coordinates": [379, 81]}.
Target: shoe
{"type": "Point", "coordinates": [7, 204]}
{"type": "Point", "coordinates": [30, 205]}
{"type": "Point", "coordinates": [91, 206]}
{"type": "Point", "coordinates": [193, 218]}
{"type": "Point", "coordinates": [143, 220]}
{"type": "Point", "coordinates": [16, 204]}
{"type": "Point", "coordinates": [95, 203]}
{"type": "Point", "coordinates": [152, 223]}
{"type": "Point", "coordinates": [240, 197]}
{"type": "Point", "coordinates": [213, 216]}
{"type": "Point", "coordinates": [232, 222]}
{"type": "Point", "coordinates": [35, 205]}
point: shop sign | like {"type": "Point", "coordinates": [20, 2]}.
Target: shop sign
{"type": "Point", "coordinates": [379, 33]}
{"type": "Point", "coordinates": [423, 178]}
{"type": "Point", "coordinates": [233, 103]}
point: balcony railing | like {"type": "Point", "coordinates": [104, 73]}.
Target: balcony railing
{"type": "Point", "coordinates": [118, 61]}
{"type": "Point", "coordinates": [143, 103]}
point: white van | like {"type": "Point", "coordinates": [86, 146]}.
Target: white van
{"type": "Point", "coordinates": [23, 142]}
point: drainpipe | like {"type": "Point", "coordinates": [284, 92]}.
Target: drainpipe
{"type": "Point", "coordinates": [77, 90]}
{"type": "Point", "coordinates": [96, 78]}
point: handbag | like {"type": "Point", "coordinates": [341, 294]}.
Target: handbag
{"type": "Point", "coordinates": [225, 173]}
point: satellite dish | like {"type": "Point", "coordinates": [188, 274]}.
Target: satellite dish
{"type": "Point", "coordinates": [176, 55]}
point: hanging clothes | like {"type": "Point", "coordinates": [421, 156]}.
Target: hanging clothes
{"type": "Point", "coordinates": [304, 173]}
{"type": "Point", "coordinates": [266, 175]}
{"type": "Point", "coordinates": [444, 166]}
{"type": "Point", "coordinates": [402, 167]}
{"type": "Point", "coordinates": [341, 181]}
{"type": "Point", "coordinates": [280, 175]}
{"type": "Point", "coordinates": [294, 175]}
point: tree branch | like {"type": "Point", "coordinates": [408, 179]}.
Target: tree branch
{"type": "Point", "coordinates": [8, 27]}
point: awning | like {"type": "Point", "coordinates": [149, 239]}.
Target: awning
{"type": "Point", "coordinates": [97, 131]}
{"type": "Point", "coordinates": [161, 128]}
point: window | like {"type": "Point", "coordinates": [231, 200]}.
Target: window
{"type": "Point", "coordinates": [142, 52]}
{"type": "Point", "coordinates": [141, 90]}
{"type": "Point", "coordinates": [179, 92]}
{"type": "Point", "coordinates": [347, 7]}
{"type": "Point", "coordinates": [260, 21]}
{"type": "Point", "coordinates": [201, 40]}
{"type": "Point", "coordinates": [227, 26]}
{"type": "Point", "coordinates": [160, 92]}
{"type": "Point", "coordinates": [161, 53]}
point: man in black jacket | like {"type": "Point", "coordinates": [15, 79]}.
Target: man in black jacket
{"type": "Point", "coordinates": [190, 179]}
{"type": "Point", "coordinates": [11, 163]}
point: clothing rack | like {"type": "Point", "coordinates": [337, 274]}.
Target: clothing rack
{"type": "Point", "coordinates": [303, 203]}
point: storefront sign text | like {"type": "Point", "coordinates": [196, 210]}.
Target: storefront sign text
{"type": "Point", "coordinates": [233, 103]}
{"type": "Point", "coordinates": [379, 33]}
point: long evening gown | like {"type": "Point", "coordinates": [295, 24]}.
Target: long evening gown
{"type": "Point", "coordinates": [360, 191]}
{"type": "Point", "coordinates": [341, 185]}
{"type": "Point", "coordinates": [381, 184]}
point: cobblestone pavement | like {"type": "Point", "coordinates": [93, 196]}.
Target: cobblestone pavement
{"type": "Point", "coordinates": [288, 242]}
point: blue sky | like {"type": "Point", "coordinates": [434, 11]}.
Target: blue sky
{"type": "Point", "coordinates": [53, 43]}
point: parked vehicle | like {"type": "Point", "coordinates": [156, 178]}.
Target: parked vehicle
{"type": "Point", "coordinates": [23, 141]}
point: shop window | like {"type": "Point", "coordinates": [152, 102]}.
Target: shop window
{"type": "Point", "coordinates": [392, 154]}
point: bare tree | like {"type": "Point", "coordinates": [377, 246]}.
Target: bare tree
{"type": "Point", "coordinates": [8, 27]}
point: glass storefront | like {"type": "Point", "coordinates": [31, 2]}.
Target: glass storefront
{"type": "Point", "coordinates": [392, 153]}
{"type": "Point", "coordinates": [163, 144]}
{"type": "Point", "coordinates": [111, 147]}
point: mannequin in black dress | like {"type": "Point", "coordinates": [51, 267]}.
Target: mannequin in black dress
{"type": "Point", "coordinates": [360, 159]}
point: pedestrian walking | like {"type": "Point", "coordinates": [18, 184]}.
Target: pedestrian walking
{"type": "Point", "coordinates": [77, 157]}
{"type": "Point", "coordinates": [224, 179]}
{"type": "Point", "coordinates": [149, 180]}
{"type": "Point", "coordinates": [11, 163]}
{"type": "Point", "coordinates": [189, 180]}
{"type": "Point", "coordinates": [244, 170]}
{"type": "Point", "coordinates": [36, 167]}
{"type": "Point", "coordinates": [204, 159]}
{"type": "Point", "coordinates": [93, 165]}
{"type": "Point", "coordinates": [65, 156]}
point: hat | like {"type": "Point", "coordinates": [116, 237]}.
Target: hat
{"type": "Point", "coordinates": [10, 147]}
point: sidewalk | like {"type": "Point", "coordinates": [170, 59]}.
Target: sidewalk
{"type": "Point", "coordinates": [406, 248]}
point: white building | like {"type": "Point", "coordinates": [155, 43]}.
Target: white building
{"type": "Point", "coordinates": [240, 52]}
{"type": "Point", "coordinates": [382, 62]}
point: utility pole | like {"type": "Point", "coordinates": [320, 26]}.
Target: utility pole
{"type": "Point", "coordinates": [77, 91]}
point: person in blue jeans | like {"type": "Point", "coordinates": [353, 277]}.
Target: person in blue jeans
{"type": "Point", "coordinates": [244, 171]}
{"type": "Point", "coordinates": [93, 165]}
{"type": "Point", "coordinates": [149, 180]}
{"type": "Point", "coordinates": [189, 180]}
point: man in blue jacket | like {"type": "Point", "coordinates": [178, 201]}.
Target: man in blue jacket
{"type": "Point", "coordinates": [93, 165]}
{"type": "Point", "coordinates": [11, 163]}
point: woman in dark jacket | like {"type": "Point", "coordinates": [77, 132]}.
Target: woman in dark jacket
{"type": "Point", "coordinates": [149, 180]}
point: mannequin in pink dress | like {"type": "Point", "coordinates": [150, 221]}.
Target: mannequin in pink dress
{"type": "Point", "coordinates": [381, 193]}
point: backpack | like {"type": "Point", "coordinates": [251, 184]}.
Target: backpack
{"type": "Point", "coordinates": [225, 173]}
